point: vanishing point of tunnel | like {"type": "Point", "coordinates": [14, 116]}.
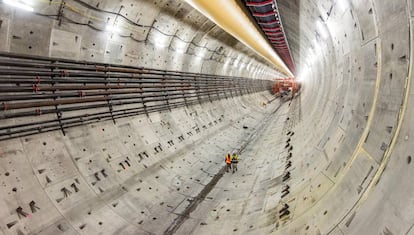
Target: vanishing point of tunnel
{"type": "Point", "coordinates": [116, 117]}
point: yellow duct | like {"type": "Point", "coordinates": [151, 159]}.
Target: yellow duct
{"type": "Point", "coordinates": [231, 17]}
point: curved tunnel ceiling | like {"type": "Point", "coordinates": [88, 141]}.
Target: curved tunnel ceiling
{"type": "Point", "coordinates": [336, 159]}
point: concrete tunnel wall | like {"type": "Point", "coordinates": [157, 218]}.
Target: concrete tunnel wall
{"type": "Point", "coordinates": [351, 149]}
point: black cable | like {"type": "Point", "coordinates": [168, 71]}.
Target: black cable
{"type": "Point", "coordinates": [144, 26]}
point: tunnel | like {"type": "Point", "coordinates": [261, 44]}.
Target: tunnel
{"type": "Point", "coordinates": [117, 115]}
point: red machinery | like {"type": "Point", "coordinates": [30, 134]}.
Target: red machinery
{"type": "Point", "coordinates": [283, 85]}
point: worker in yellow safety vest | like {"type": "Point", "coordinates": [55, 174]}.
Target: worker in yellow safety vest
{"type": "Point", "coordinates": [228, 162]}
{"type": "Point", "coordinates": [234, 161]}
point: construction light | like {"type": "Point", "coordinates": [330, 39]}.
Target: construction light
{"type": "Point", "coordinates": [160, 40]}
{"type": "Point", "coordinates": [113, 28]}
{"type": "Point", "coordinates": [19, 4]}
{"type": "Point", "coordinates": [322, 29]}
{"type": "Point", "coordinates": [180, 46]}
{"type": "Point", "coordinates": [343, 4]}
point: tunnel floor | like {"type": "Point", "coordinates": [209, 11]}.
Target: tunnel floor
{"type": "Point", "coordinates": [247, 201]}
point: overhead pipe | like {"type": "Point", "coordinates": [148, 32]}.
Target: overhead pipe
{"type": "Point", "coordinates": [233, 18]}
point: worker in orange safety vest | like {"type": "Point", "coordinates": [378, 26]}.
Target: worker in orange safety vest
{"type": "Point", "coordinates": [228, 162]}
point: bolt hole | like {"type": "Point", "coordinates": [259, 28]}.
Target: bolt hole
{"type": "Point", "coordinates": [392, 46]}
{"type": "Point", "coordinates": [408, 159]}
{"type": "Point", "coordinates": [325, 212]}
{"type": "Point", "coordinates": [100, 223]}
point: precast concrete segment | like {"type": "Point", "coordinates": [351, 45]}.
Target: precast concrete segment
{"type": "Point", "coordinates": [365, 167]}
{"type": "Point", "coordinates": [132, 189]}
{"type": "Point", "coordinates": [350, 168]}
{"type": "Point", "coordinates": [401, 117]}
{"type": "Point", "coordinates": [138, 160]}
{"type": "Point", "coordinates": [81, 33]}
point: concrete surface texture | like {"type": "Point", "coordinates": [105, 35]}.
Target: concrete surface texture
{"type": "Point", "coordinates": [337, 158]}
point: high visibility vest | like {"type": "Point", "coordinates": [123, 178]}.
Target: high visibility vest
{"type": "Point", "coordinates": [228, 159]}
{"type": "Point", "coordinates": [235, 158]}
